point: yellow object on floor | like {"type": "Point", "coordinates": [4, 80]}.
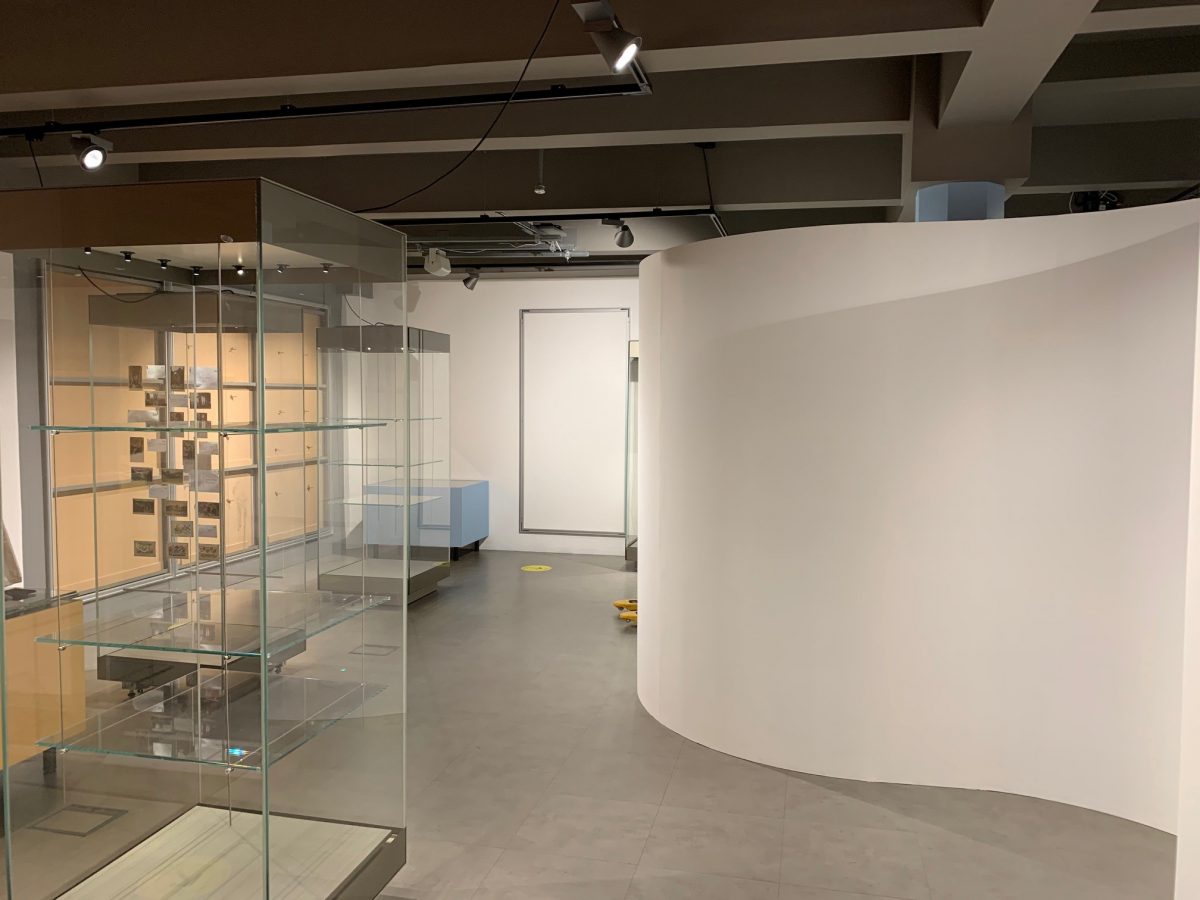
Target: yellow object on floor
{"type": "Point", "coordinates": [625, 604]}
{"type": "Point", "coordinates": [629, 616]}
{"type": "Point", "coordinates": [535, 568]}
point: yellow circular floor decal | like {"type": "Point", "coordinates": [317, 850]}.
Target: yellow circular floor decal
{"type": "Point", "coordinates": [535, 568]}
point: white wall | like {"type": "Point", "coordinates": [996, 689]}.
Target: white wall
{"type": "Point", "coordinates": [9, 456]}
{"type": "Point", "coordinates": [915, 508]}
{"type": "Point", "coordinates": [484, 329]}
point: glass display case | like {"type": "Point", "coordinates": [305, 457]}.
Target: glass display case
{"type": "Point", "coordinates": [414, 510]}
{"type": "Point", "coordinates": [188, 709]}
{"type": "Point", "coordinates": [631, 458]}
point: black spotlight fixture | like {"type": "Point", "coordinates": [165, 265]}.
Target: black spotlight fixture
{"type": "Point", "coordinates": [624, 236]}
{"type": "Point", "coordinates": [616, 45]}
{"type": "Point", "coordinates": [325, 267]}
{"type": "Point", "coordinates": [127, 255]}
{"type": "Point", "coordinates": [87, 251]}
{"type": "Point", "coordinates": [163, 263]}
{"type": "Point", "coordinates": [471, 280]}
{"type": "Point", "coordinates": [91, 151]}
{"type": "Point", "coordinates": [196, 270]}
{"type": "Point", "coordinates": [281, 268]}
{"type": "Point", "coordinates": [239, 269]}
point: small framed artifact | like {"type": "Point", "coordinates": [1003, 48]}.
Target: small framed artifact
{"type": "Point", "coordinates": [178, 551]}
{"type": "Point", "coordinates": [209, 531]}
{"type": "Point", "coordinates": [189, 451]}
{"type": "Point", "coordinates": [203, 400]}
{"type": "Point", "coordinates": [172, 476]}
{"type": "Point", "coordinates": [208, 510]}
{"type": "Point", "coordinates": [178, 416]}
{"type": "Point", "coordinates": [183, 528]}
{"type": "Point", "coordinates": [135, 378]}
{"type": "Point", "coordinates": [145, 548]}
{"type": "Point", "coordinates": [155, 398]}
{"type": "Point", "coordinates": [178, 378]}
{"type": "Point", "coordinates": [208, 481]}
{"type": "Point", "coordinates": [176, 508]}
{"type": "Point", "coordinates": [143, 507]}
{"type": "Point", "coordinates": [137, 448]}
{"type": "Point", "coordinates": [210, 552]}
{"type": "Point", "coordinates": [141, 473]}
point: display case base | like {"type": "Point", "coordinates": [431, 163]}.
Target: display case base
{"type": "Point", "coordinates": [210, 852]}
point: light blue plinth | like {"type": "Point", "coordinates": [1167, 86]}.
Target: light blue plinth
{"type": "Point", "coordinates": [449, 514]}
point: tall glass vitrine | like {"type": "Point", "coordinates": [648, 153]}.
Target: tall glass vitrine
{"type": "Point", "coordinates": [188, 710]}
{"type": "Point", "coordinates": [403, 533]}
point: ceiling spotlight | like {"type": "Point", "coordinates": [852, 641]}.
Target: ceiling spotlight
{"type": "Point", "coordinates": [196, 270]}
{"type": "Point", "coordinates": [437, 263]}
{"type": "Point", "coordinates": [127, 255]}
{"type": "Point", "coordinates": [616, 45]}
{"type": "Point", "coordinates": [91, 151]}
{"type": "Point", "coordinates": [87, 251]}
{"type": "Point", "coordinates": [325, 267]}
{"type": "Point", "coordinates": [623, 237]}
{"type": "Point", "coordinates": [162, 263]}
{"type": "Point", "coordinates": [239, 269]}
{"type": "Point", "coordinates": [281, 268]}
{"type": "Point", "coordinates": [471, 280]}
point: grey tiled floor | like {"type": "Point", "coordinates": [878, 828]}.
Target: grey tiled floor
{"type": "Point", "coordinates": [534, 774]}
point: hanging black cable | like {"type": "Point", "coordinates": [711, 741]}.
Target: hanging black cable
{"type": "Point", "coordinates": [454, 168]}
{"type": "Point", "coordinates": [36, 166]}
{"type": "Point", "coordinates": [712, 207]}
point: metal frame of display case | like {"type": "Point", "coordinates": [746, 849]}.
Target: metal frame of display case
{"type": "Point", "coordinates": [204, 708]}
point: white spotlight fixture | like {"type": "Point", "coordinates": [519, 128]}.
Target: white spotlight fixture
{"type": "Point", "coordinates": [471, 280]}
{"type": "Point", "coordinates": [616, 45]}
{"type": "Point", "coordinates": [624, 236]}
{"type": "Point", "coordinates": [437, 263]}
{"type": "Point", "coordinates": [91, 151]}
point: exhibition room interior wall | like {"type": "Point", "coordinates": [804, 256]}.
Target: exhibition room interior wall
{"type": "Point", "coordinates": [485, 329]}
{"type": "Point", "coordinates": [958, 534]}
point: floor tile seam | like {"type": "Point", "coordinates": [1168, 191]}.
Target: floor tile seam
{"type": "Point", "coordinates": [479, 887]}
{"type": "Point", "coordinates": [637, 865]}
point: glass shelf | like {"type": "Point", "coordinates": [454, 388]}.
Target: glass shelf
{"type": "Point", "coordinates": [217, 721]}
{"type": "Point", "coordinates": [385, 500]}
{"type": "Point", "coordinates": [190, 621]}
{"type": "Point", "coordinates": [242, 428]}
{"type": "Point", "coordinates": [383, 465]}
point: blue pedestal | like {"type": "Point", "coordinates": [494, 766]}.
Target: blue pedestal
{"type": "Point", "coordinates": [452, 514]}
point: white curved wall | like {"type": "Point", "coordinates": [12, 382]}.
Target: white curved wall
{"type": "Point", "coordinates": [914, 501]}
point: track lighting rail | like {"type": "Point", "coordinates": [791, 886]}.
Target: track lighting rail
{"type": "Point", "coordinates": [639, 87]}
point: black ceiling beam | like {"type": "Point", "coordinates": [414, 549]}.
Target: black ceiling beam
{"type": "Point", "coordinates": [396, 222]}
{"type": "Point", "coordinates": [640, 87]}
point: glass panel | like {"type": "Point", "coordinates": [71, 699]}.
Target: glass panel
{"type": "Point", "coordinates": [345, 274]}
